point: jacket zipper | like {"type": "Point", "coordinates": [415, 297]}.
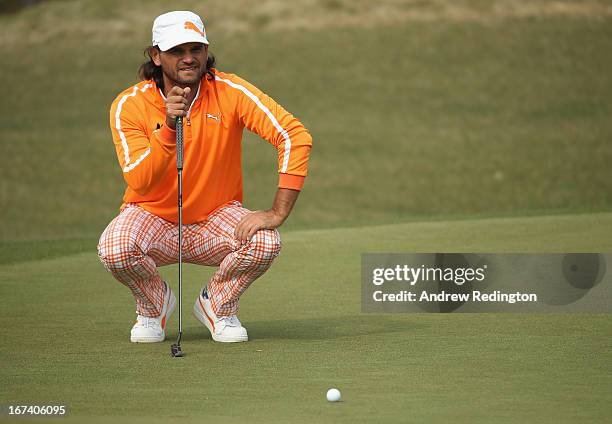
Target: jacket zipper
{"type": "Point", "coordinates": [190, 106]}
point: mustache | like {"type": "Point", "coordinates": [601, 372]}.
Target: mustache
{"type": "Point", "coordinates": [193, 65]}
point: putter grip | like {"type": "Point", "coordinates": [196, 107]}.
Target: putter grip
{"type": "Point", "coordinates": [179, 143]}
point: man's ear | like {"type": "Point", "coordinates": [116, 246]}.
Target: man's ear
{"type": "Point", "coordinates": [155, 53]}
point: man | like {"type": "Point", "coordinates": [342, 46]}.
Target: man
{"type": "Point", "coordinates": [180, 80]}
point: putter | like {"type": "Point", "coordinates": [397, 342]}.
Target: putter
{"type": "Point", "coordinates": [175, 349]}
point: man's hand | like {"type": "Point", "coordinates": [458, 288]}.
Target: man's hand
{"type": "Point", "coordinates": [273, 218]}
{"type": "Point", "coordinates": [176, 105]}
{"type": "Point", "coordinates": [255, 221]}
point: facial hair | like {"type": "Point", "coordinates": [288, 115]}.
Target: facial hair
{"type": "Point", "coordinates": [174, 77]}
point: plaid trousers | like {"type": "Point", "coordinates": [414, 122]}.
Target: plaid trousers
{"type": "Point", "coordinates": [136, 242]}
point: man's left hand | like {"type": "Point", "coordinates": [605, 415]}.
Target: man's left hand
{"type": "Point", "coordinates": [255, 221]}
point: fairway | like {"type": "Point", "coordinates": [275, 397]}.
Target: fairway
{"type": "Point", "coordinates": [66, 338]}
{"type": "Point", "coordinates": [464, 116]}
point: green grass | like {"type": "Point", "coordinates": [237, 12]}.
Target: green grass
{"type": "Point", "coordinates": [25, 251]}
{"type": "Point", "coordinates": [66, 340]}
{"type": "Point", "coordinates": [446, 126]}
{"type": "Point", "coordinates": [412, 120]}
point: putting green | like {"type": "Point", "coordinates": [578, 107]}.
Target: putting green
{"type": "Point", "coordinates": [66, 322]}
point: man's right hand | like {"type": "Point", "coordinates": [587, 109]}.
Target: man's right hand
{"type": "Point", "coordinates": [176, 105]}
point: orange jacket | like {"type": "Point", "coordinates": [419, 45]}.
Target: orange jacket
{"type": "Point", "coordinates": [212, 171]}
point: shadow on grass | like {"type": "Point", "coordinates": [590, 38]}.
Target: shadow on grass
{"type": "Point", "coordinates": [319, 328]}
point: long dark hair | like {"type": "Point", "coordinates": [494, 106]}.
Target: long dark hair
{"type": "Point", "coordinates": [149, 70]}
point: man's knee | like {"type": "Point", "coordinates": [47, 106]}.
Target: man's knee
{"type": "Point", "coordinates": [116, 251]}
{"type": "Point", "coordinates": [266, 245]}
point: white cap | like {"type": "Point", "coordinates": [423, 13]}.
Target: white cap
{"type": "Point", "coordinates": [174, 28]}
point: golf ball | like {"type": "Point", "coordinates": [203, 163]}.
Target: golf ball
{"type": "Point", "coordinates": [333, 395]}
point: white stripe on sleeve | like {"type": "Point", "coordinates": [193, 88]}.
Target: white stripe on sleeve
{"type": "Point", "coordinates": [126, 151]}
{"type": "Point", "coordinates": [269, 114]}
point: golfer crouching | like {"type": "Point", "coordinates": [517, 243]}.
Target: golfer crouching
{"type": "Point", "coordinates": [180, 80]}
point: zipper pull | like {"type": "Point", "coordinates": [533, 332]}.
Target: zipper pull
{"type": "Point", "coordinates": [188, 121]}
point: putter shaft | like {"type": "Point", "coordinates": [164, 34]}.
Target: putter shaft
{"type": "Point", "coordinates": [176, 348]}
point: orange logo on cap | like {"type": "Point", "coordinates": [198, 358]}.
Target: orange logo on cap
{"type": "Point", "coordinates": [191, 25]}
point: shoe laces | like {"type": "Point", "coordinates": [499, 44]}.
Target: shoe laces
{"type": "Point", "coordinates": [148, 322]}
{"type": "Point", "coordinates": [229, 321]}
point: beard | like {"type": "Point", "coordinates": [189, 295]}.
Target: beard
{"type": "Point", "coordinates": [185, 77]}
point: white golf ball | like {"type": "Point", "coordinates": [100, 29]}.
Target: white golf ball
{"type": "Point", "coordinates": [333, 395]}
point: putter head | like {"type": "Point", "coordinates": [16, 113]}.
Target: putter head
{"type": "Point", "coordinates": [175, 351]}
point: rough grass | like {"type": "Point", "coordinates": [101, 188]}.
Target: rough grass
{"type": "Point", "coordinates": [113, 20]}
{"type": "Point", "coordinates": [307, 334]}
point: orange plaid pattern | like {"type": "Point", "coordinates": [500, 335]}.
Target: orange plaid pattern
{"type": "Point", "coordinates": [137, 242]}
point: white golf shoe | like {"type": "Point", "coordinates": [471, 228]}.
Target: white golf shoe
{"type": "Point", "coordinates": [223, 329]}
{"type": "Point", "coordinates": [152, 330]}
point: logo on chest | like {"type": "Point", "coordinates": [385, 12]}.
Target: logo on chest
{"type": "Point", "coordinates": [216, 118]}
